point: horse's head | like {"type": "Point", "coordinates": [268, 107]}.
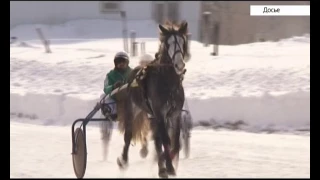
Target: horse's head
{"type": "Point", "coordinates": [174, 44]}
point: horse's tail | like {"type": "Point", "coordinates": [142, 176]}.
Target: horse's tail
{"type": "Point", "coordinates": [139, 123]}
{"type": "Point", "coordinates": [141, 127]}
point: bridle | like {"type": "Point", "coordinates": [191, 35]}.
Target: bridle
{"type": "Point", "coordinates": [176, 44]}
{"type": "Point", "coordinates": [157, 61]}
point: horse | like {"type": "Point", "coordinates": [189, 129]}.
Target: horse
{"type": "Point", "coordinates": [156, 89]}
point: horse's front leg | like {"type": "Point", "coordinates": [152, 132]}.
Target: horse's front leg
{"type": "Point", "coordinates": [176, 135]}
{"type": "Point", "coordinates": [167, 148]}
{"type": "Point", "coordinates": [162, 172]}
{"type": "Point", "coordinates": [175, 139]}
{"type": "Point", "coordinates": [161, 159]}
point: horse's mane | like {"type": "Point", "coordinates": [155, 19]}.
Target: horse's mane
{"type": "Point", "coordinates": [171, 27]}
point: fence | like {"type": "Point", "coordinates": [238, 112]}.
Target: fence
{"type": "Point", "coordinates": [134, 45]}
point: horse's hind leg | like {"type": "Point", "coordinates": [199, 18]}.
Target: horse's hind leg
{"type": "Point", "coordinates": [106, 133]}
{"type": "Point", "coordinates": [144, 149]}
{"type": "Point", "coordinates": [128, 116]}
{"type": "Point", "coordinates": [123, 159]}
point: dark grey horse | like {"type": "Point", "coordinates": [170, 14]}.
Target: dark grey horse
{"type": "Point", "coordinates": [157, 90]}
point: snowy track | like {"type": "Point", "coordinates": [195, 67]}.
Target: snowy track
{"type": "Point", "coordinates": [45, 152]}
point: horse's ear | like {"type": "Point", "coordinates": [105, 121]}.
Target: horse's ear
{"type": "Point", "coordinates": [183, 28]}
{"type": "Point", "coordinates": [163, 29]}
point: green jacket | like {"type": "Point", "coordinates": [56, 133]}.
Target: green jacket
{"type": "Point", "coordinates": [114, 76]}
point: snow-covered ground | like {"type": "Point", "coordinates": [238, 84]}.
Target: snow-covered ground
{"type": "Point", "coordinates": [45, 152]}
{"type": "Point", "coordinates": [264, 85]}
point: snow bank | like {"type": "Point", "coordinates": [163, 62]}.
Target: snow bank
{"type": "Point", "coordinates": [51, 109]}
{"type": "Point", "coordinates": [283, 112]}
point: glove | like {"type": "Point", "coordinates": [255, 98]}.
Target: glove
{"type": "Point", "coordinates": [117, 84]}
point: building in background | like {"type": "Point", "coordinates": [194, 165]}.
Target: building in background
{"type": "Point", "coordinates": [236, 24]}
{"type": "Point", "coordinates": [56, 12]}
{"type": "Point", "coordinates": [238, 27]}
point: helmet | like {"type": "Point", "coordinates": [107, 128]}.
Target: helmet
{"type": "Point", "coordinates": [146, 58]}
{"type": "Point", "coordinates": [121, 55]}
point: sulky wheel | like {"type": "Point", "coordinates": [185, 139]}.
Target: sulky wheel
{"type": "Point", "coordinates": [79, 158]}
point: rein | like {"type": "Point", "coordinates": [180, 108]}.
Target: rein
{"type": "Point", "coordinates": [163, 64]}
{"type": "Point", "coordinates": [152, 64]}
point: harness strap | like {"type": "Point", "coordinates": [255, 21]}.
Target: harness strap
{"type": "Point", "coordinates": [148, 104]}
{"type": "Point", "coordinates": [141, 74]}
{"type": "Point", "coordinates": [146, 95]}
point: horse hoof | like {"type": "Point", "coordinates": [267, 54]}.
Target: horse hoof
{"type": "Point", "coordinates": [171, 172]}
{"type": "Point", "coordinates": [122, 164]}
{"type": "Point", "coordinates": [144, 152]}
{"type": "Point", "coordinates": [163, 173]}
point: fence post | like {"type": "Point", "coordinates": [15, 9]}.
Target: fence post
{"type": "Point", "coordinates": [206, 23]}
{"type": "Point", "coordinates": [124, 31]}
{"type": "Point", "coordinates": [135, 48]}
{"type": "Point", "coordinates": [133, 43]}
{"type": "Point", "coordinates": [216, 34]}
{"type": "Point", "coordinates": [44, 41]}
{"type": "Point", "coordinates": [143, 48]}
{"type": "Point", "coordinates": [189, 41]}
